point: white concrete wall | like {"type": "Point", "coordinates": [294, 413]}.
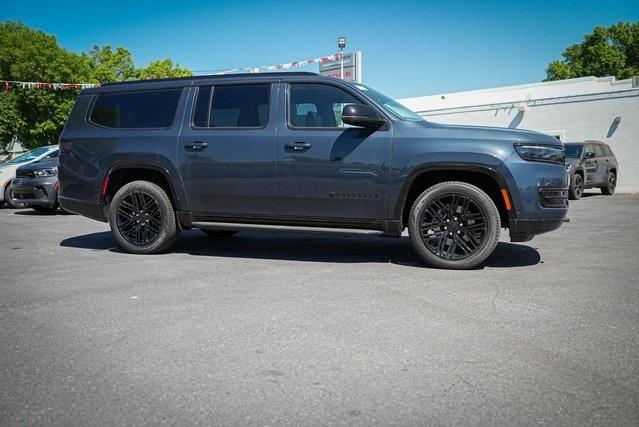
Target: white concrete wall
{"type": "Point", "coordinates": [574, 110]}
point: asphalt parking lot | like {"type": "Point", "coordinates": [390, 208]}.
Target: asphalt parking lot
{"type": "Point", "coordinates": [272, 329]}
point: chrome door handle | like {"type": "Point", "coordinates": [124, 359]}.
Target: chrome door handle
{"type": "Point", "coordinates": [197, 145]}
{"type": "Point", "coordinates": [298, 146]}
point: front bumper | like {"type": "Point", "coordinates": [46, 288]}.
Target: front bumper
{"type": "Point", "coordinates": [35, 191]}
{"type": "Point", "coordinates": [523, 230]}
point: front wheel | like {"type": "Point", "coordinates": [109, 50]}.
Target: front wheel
{"type": "Point", "coordinates": [454, 225]}
{"type": "Point", "coordinates": [611, 184]}
{"type": "Point", "coordinates": [142, 218]}
{"type": "Point", "coordinates": [8, 198]}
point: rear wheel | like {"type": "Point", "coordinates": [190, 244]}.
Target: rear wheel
{"type": "Point", "coordinates": [8, 198]}
{"type": "Point", "coordinates": [142, 218]}
{"type": "Point", "coordinates": [218, 233]}
{"type": "Point", "coordinates": [576, 189]}
{"type": "Point", "coordinates": [454, 225]}
{"type": "Point", "coordinates": [609, 188]}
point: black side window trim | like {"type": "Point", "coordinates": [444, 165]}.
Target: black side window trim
{"type": "Point", "coordinates": [212, 86]}
{"type": "Point", "coordinates": [88, 120]}
{"type": "Point", "coordinates": [354, 94]}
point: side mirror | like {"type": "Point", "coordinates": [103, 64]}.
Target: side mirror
{"type": "Point", "coordinates": [589, 155]}
{"type": "Point", "coordinates": [362, 115]}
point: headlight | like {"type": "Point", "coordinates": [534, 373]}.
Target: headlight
{"type": "Point", "coordinates": [44, 172]}
{"type": "Point", "coordinates": [541, 153]}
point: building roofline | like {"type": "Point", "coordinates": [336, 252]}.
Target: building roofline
{"type": "Point", "coordinates": [611, 79]}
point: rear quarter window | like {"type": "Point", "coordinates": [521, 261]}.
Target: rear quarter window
{"type": "Point", "coordinates": [143, 109]}
{"type": "Point", "coordinates": [608, 151]}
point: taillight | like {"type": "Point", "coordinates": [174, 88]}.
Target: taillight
{"type": "Point", "coordinates": [105, 186]}
{"type": "Point", "coordinates": [65, 144]}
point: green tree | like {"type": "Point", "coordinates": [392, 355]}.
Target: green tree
{"type": "Point", "coordinates": [36, 117]}
{"type": "Point", "coordinates": [111, 66]}
{"type": "Point", "coordinates": [162, 69]}
{"type": "Point", "coordinates": [607, 51]}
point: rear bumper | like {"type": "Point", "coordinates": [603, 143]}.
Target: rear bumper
{"type": "Point", "coordinates": [523, 230]}
{"type": "Point", "coordinates": [35, 191]}
{"type": "Point", "coordinates": [80, 207]}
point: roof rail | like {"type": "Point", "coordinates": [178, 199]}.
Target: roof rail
{"type": "Point", "coordinates": [216, 76]}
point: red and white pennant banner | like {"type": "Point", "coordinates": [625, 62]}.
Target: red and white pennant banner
{"type": "Point", "coordinates": [6, 85]}
{"type": "Point", "coordinates": [288, 65]}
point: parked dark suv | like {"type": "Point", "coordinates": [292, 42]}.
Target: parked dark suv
{"type": "Point", "coordinates": [590, 164]}
{"type": "Point", "coordinates": [298, 151]}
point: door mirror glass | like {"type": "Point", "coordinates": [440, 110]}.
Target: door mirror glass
{"type": "Point", "coordinates": [589, 155]}
{"type": "Point", "coordinates": [362, 115]}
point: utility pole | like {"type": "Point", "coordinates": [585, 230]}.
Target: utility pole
{"type": "Point", "coordinates": [341, 43]}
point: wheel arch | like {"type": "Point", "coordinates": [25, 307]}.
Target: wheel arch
{"type": "Point", "coordinates": [484, 177]}
{"type": "Point", "coordinates": [120, 175]}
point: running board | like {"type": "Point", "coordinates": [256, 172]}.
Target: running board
{"type": "Point", "coordinates": [283, 228]}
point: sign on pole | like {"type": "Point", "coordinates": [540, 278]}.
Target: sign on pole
{"type": "Point", "coordinates": [352, 67]}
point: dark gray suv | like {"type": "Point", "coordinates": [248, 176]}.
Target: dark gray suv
{"type": "Point", "coordinates": [298, 151]}
{"type": "Point", "coordinates": [591, 164]}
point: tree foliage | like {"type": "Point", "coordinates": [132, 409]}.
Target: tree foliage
{"type": "Point", "coordinates": [607, 51]}
{"type": "Point", "coordinates": [162, 69]}
{"type": "Point", "coordinates": [37, 116]}
{"type": "Point", "coordinates": [111, 66]}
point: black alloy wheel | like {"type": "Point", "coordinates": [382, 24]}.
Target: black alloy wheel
{"type": "Point", "coordinates": [142, 218]}
{"type": "Point", "coordinates": [139, 219]}
{"type": "Point", "coordinates": [453, 226]}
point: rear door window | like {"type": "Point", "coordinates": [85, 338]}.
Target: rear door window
{"type": "Point", "coordinates": [141, 109]}
{"type": "Point", "coordinates": [229, 106]}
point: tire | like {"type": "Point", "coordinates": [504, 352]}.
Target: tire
{"type": "Point", "coordinates": [8, 198]}
{"type": "Point", "coordinates": [440, 212]}
{"type": "Point", "coordinates": [218, 233]}
{"type": "Point", "coordinates": [142, 218]}
{"type": "Point", "coordinates": [44, 209]}
{"type": "Point", "coordinates": [609, 188]}
{"type": "Point", "coordinates": [576, 189]}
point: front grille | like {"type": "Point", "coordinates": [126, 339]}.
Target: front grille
{"type": "Point", "coordinates": [24, 196]}
{"type": "Point", "coordinates": [553, 197]}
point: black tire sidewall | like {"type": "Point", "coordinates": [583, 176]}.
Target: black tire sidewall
{"type": "Point", "coordinates": [493, 224]}
{"type": "Point", "coordinates": [169, 231]}
{"type": "Point", "coordinates": [607, 190]}
{"type": "Point", "coordinates": [573, 184]}
{"type": "Point", "coordinates": [9, 200]}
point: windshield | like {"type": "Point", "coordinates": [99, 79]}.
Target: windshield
{"type": "Point", "coordinates": [394, 107]}
{"type": "Point", "coordinates": [29, 155]}
{"type": "Point", "coordinates": [573, 150]}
